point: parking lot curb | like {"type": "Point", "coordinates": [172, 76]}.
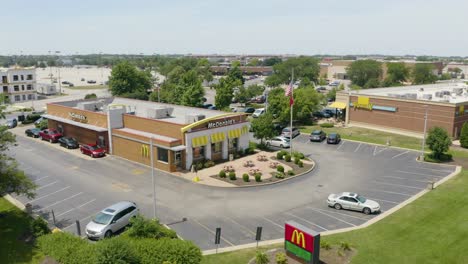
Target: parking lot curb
{"type": "Point", "coordinates": [347, 229]}
{"type": "Point", "coordinates": [15, 202]}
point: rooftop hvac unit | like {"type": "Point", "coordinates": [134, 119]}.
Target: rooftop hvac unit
{"type": "Point", "coordinates": [411, 96]}
{"type": "Point", "coordinates": [458, 91]}
{"type": "Point", "coordinates": [427, 96]}
{"type": "Point", "coordinates": [445, 92]}
{"type": "Point", "coordinates": [192, 118]}
{"type": "Point", "coordinates": [160, 113]}
{"type": "Point", "coordinates": [90, 106]}
{"type": "Point", "coordinates": [438, 94]}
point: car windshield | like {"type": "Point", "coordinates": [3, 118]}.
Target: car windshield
{"type": "Point", "coordinates": [361, 199]}
{"type": "Point", "coordinates": [94, 147]}
{"type": "Point", "coordinates": [316, 132]}
{"type": "Point", "coordinates": [286, 130]}
{"type": "Point", "coordinates": [102, 218]}
{"type": "Point", "coordinates": [332, 135]}
{"type": "Point", "coordinates": [283, 138]}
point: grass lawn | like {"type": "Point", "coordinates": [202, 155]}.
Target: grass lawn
{"type": "Point", "coordinates": [370, 136]}
{"type": "Point", "coordinates": [13, 224]}
{"type": "Point", "coordinates": [89, 87]}
{"type": "Point", "coordinates": [235, 257]}
{"type": "Point", "coordinates": [433, 229]}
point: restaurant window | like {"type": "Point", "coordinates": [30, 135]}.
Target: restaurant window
{"type": "Point", "coordinates": [60, 128]}
{"type": "Point", "coordinates": [163, 155]}
{"type": "Point", "coordinates": [233, 143]}
{"type": "Point", "coordinates": [199, 153]}
{"type": "Point", "coordinates": [177, 157]}
{"type": "Point", "coordinates": [101, 141]}
{"type": "Point", "coordinates": [216, 147]}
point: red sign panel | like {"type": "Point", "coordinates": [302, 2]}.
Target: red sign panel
{"type": "Point", "coordinates": [299, 238]}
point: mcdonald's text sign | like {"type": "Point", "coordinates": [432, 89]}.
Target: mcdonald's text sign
{"type": "Point", "coordinates": [301, 242]}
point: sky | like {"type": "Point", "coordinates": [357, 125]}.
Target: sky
{"type": "Point", "coordinates": [308, 27]}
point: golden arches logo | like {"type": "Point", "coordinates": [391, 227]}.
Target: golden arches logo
{"type": "Point", "coordinates": [298, 237]}
{"type": "Point", "coordinates": [144, 151]}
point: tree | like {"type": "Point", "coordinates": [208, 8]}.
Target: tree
{"type": "Point", "coordinates": [90, 96]}
{"type": "Point", "coordinates": [224, 91]}
{"type": "Point", "coordinates": [397, 73]}
{"type": "Point", "coordinates": [126, 79]}
{"type": "Point", "coordinates": [464, 135]}
{"type": "Point", "coordinates": [303, 67]}
{"type": "Point", "coordinates": [253, 62]}
{"type": "Point", "coordinates": [272, 61]}
{"type": "Point", "coordinates": [422, 73]}
{"type": "Point", "coordinates": [181, 87]}
{"type": "Point", "coordinates": [42, 65]}
{"type": "Point", "coordinates": [235, 73]}
{"type": "Point", "coordinates": [438, 141]}
{"type": "Point", "coordinates": [193, 91]}
{"type": "Point", "coordinates": [262, 127]}
{"type": "Point", "coordinates": [364, 72]}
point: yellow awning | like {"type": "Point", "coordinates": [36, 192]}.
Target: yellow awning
{"type": "Point", "coordinates": [235, 133]}
{"type": "Point", "coordinates": [339, 105]}
{"type": "Point", "coordinates": [218, 137]}
{"type": "Point", "coordinates": [199, 141]}
{"type": "Point", "coordinates": [245, 130]}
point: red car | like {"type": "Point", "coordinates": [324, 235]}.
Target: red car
{"type": "Point", "coordinates": [51, 135]}
{"type": "Point", "coordinates": [93, 150]}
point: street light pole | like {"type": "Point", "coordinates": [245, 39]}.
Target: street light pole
{"type": "Point", "coordinates": [152, 176]}
{"type": "Point", "coordinates": [424, 135]}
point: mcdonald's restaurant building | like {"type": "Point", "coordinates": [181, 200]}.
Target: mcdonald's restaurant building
{"type": "Point", "coordinates": [407, 108]}
{"type": "Point", "coordinates": [175, 136]}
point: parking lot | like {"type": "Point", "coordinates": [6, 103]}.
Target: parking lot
{"type": "Point", "coordinates": [76, 188]}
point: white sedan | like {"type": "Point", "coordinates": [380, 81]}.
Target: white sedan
{"type": "Point", "coordinates": [280, 142]}
{"type": "Point", "coordinates": [353, 201]}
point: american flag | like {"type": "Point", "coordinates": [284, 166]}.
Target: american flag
{"type": "Point", "coordinates": [288, 92]}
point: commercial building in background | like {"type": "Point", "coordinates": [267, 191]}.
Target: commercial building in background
{"type": "Point", "coordinates": [18, 84]}
{"type": "Point", "coordinates": [46, 88]}
{"type": "Point", "coordinates": [180, 135]}
{"type": "Point", "coordinates": [404, 108]}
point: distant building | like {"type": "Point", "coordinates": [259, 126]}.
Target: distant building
{"type": "Point", "coordinates": [18, 84]}
{"type": "Point", "coordinates": [246, 70]}
{"type": "Point", "coordinates": [46, 88]}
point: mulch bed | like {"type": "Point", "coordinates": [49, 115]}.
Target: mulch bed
{"type": "Point", "coordinates": [330, 256]}
{"type": "Point", "coordinates": [240, 182]}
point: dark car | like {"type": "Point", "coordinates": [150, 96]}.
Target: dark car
{"type": "Point", "coordinates": [32, 132]}
{"type": "Point", "coordinates": [320, 89]}
{"type": "Point", "coordinates": [248, 110]}
{"type": "Point", "coordinates": [321, 114]}
{"type": "Point", "coordinates": [318, 135]}
{"type": "Point", "coordinates": [11, 123]}
{"type": "Point", "coordinates": [51, 135]}
{"type": "Point", "coordinates": [329, 111]}
{"type": "Point", "coordinates": [278, 128]}
{"type": "Point", "coordinates": [93, 150]}
{"type": "Point", "coordinates": [65, 82]}
{"type": "Point", "coordinates": [68, 142]}
{"type": "Point", "coordinates": [207, 106]}
{"type": "Point", "coordinates": [259, 99]}
{"type": "Point", "coordinates": [333, 138]}
{"type": "Point", "coordinates": [91, 81]}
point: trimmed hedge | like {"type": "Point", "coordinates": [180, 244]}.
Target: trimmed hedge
{"type": "Point", "coordinates": [232, 176]}
{"type": "Point", "coordinates": [287, 158]}
{"type": "Point", "coordinates": [246, 177]}
{"type": "Point", "coordinates": [172, 250]}
{"type": "Point", "coordinates": [327, 125]}
{"type": "Point", "coordinates": [116, 250]}
{"type": "Point", "coordinates": [222, 174]}
{"type": "Point", "coordinates": [280, 168]}
{"type": "Point", "coordinates": [148, 228]}
{"type": "Point", "coordinates": [67, 248]}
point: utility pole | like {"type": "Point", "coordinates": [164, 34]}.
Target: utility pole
{"type": "Point", "coordinates": [424, 135]}
{"type": "Point", "coordinates": [152, 176]}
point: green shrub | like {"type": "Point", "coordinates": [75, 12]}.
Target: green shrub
{"type": "Point", "coordinates": [327, 125]}
{"type": "Point", "coordinates": [252, 145]}
{"type": "Point", "coordinates": [39, 227]}
{"type": "Point", "coordinates": [199, 165]}
{"type": "Point", "coordinates": [464, 135]}
{"type": "Point", "coordinates": [298, 155]}
{"type": "Point", "coordinates": [280, 168]}
{"type": "Point", "coordinates": [90, 96]}
{"type": "Point", "coordinates": [67, 248]}
{"type": "Point", "coordinates": [261, 258]}
{"type": "Point", "coordinates": [287, 158]}
{"type": "Point", "coordinates": [246, 177]}
{"type": "Point", "coordinates": [345, 246]}
{"type": "Point", "coordinates": [222, 174]}
{"type": "Point", "coordinates": [444, 157]}
{"type": "Point", "coordinates": [281, 258]}
{"type": "Point", "coordinates": [232, 176]}
{"type": "Point", "coordinates": [27, 121]}
{"type": "Point", "coordinates": [290, 172]}
{"type": "Point", "coordinates": [209, 163]}
{"type": "Point", "coordinates": [116, 250]}
{"type": "Point", "coordinates": [279, 155]}
{"type": "Point", "coordinates": [148, 228]}
{"type": "Point", "coordinates": [279, 175]}
{"type": "Point", "coordinates": [325, 245]}
{"type": "Point", "coordinates": [33, 117]}
{"type": "Point", "coordinates": [301, 164]}
{"type": "Point", "coordinates": [42, 125]}
{"type": "Point", "coordinates": [258, 177]}
{"type": "Point", "coordinates": [177, 251]}
{"type": "Point", "coordinates": [296, 160]}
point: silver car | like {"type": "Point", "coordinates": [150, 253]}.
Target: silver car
{"type": "Point", "coordinates": [111, 220]}
{"type": "Point", "coordinates": [353, 201]}
{"type": "Point", "coordinates": [280, 142]}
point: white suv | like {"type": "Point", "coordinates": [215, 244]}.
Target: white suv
{"type": "Point", "coordinates": [258, 112]}
{"type": "Point", "coordinates": [111, 220]}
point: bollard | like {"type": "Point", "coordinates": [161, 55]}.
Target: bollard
{"type": "Point", "coordinates": [53, 217]}
{"type": "Point", "coordinates": [430, 185]}
{"type": "Point", "coordinates": [78, 227]}
{"type": "Point", "coordinates": [28, 208]}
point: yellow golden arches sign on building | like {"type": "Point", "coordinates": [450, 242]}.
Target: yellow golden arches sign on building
{"type": "Point", "coordinates": [144, 151]}
{"type": "Point", "coordinates": [363, 102]}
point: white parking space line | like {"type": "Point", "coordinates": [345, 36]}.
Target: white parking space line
{"type": "Point", "coordinates": [399, 185]}
{"type": "Point", "coordinates": [271, 222]}
{"type": "Point", "coordinates": [401, 178]}
{"type": "Point", "coordinates": [45, 177]}
{"type": "Point", "coordinates": [358, 147]}
{"type": "Point", "coordinates": [49, 194]}
{"type": "Point", "coordinates": [347, 215]}
{"type": "Point", "coordinates": [342, 143]}
{"type": "Point", "coordinates": [211, 231]}
{"type": "Point", "coordinates": [422, 174]}
{"type": "Point", "coordinates": [387, 201]}
{"type": "Point", "coordinates": [76, 208]}
{"type": "Point", "coordinates": [241, 226]}
{"type": "Point", "coordinates": [398, 155]}
{"type": "Point", "coordinates": [378, 152]}
{"type": "Point", "coordinates": [307, 221]}
{"type": "Point", "coordinates": [47, 185]}
{"type": "Point", "coordinates": [404, 194]}
{"type": "Point", "coordinates": [73, 196]}
{"type": "Point", "coordinates": [446, 171]}
{"type": "Point", "coordinates": [336, 218]}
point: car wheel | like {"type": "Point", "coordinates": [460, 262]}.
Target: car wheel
{"type": "Point", "coordinates": [50, 140]}
{"type": "Point", "coordinates": [92, 156]}
{"type": "Point", "coordinates": [366, 211]}
{"type": "Point", "coordinates": [281, 146]}
{"type": "Point", "coordinates": [42, 138]}
{"type": "Point", "coordinates": [108, 234]}
{"type": "Point", "coordinates": [337, 206]}
{"type": "Point", "coordinates": [82, 152]}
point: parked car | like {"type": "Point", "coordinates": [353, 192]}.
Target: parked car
{"type": "Point", "coordinates": [318, 135]}
{"type": "Point", "coordinates": [321, 114]}
{"type": "Point", "coordinates": [207, 106]}
{"type": "Point", "coordinates": [65, 82]}
{"type": "Point", "coordinates": [68, 142]}
{"type": "Point", "coordinates": [51, 135]}
{"type": "Point", "coordinates": [71, 84]}
{"type": "Point", "coordinates": [333, 138]}
{"type": "Point", "coordinates": [321, 89]}
{"type": "Point", "coordinates": [258, 112]}
{"type": "Point", "coordinates": [287, 132]}
{"type": "Point", "coordinates": [11, 123]}
{"type": "Point", "coordinates": [110, 220]}
{"type": "Point", "coordinates": [91, 81]}
{"type": "Point", "coordinates": [280, 142]}
{"type": "Point", "coordinates": [32, 132]}
{"type": "Point", "coordinates": [258, 99]}
{"type": "Point", "coordinates": [353, 201]}
{"type": "Point", "coordinates": [334, 83]}
{"type": "Point", "coordinates": [329, 111]}
{"type": "Point", "coordinates": [93, 150]}
{"type": "Point", "coordinates": [248, 110]}
{"type": "Point", "coordinates": [213, 107]}
{"type": "Point", "coordinates": [278, 128]}
{"type": "Point", "coordinates": [82, 79]}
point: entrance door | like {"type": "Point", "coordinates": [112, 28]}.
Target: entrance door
{"type": "Point", "coordinates": [178, 158]}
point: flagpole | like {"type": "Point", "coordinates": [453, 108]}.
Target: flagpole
{"type": "Point", "coordinates": [291, 110]}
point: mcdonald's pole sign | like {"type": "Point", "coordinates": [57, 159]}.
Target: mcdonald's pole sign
{"type": "Point", "coordinates": [301, 243]}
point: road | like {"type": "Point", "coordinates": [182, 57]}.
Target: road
{"type": "Point", "coordinates": [76, 187]}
